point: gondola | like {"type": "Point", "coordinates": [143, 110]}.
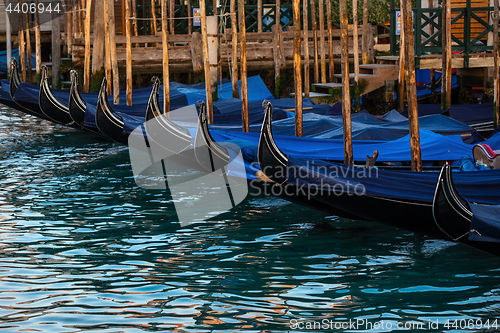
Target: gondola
{"type": "Point", "coordinates": [52, 106]}
{"type": "Point", "coordinates": [160, 129]}
{"type": "Point", "coordinates": [109, 122]}
{"type": "Point", "coordinates": [28, 104]}
{"type": "Point", "coordinates": [76, 105]}
{"type": "Point", "coordinates": [403, 199]}
{"type": "Point", "coordinates": [454, 216]}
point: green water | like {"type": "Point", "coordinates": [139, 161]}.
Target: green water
{"type": "Point", "coordinates": [84, 249]}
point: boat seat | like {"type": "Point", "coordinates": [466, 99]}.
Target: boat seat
{"type": "Point", "coordinates": [483, 154]}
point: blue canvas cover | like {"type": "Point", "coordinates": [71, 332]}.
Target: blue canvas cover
{"type": "Point", "coordinates": [485, 224]}
{"type": "Point", "coordinates": [5, 63]}
{"type": "Point", "coordinates": [404, 185]}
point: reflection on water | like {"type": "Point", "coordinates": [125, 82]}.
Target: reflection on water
{"type": "Point", "coordinates": [83, 248]}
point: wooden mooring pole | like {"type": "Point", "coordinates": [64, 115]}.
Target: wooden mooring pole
{"type": "Point", "coordinates": [315, 40]}
{"type": "Point", "coordinates": [190, 19]}
{"type": "Point", "coordinates": [322, 39]}
{"type": "Point", "coordinates": [38, 45]}
{"type": "Point", "coordinates": [277, 49]}
{"type": "Point", "coordinates": [56, 49]}
{"type": "Point", "coordinates": [355, 39]}
{"type": "Point", "coordinates": [496, 84]}
{"type": "Point", "coordinates": [297, 67]}
{"type": "Point", "coordinates": [114, 59]}
{"type": "Point", "coordinates": [433, 71]}
{"type": "Point", "coordinates": [8, 37]}
{"type": "Point", "coordinates": [171, 16]}
{"type": "Point", "coordinates": [446, 71]}
{"type": "Point", "coordinates": [86, 75]}
{"type": "Point", "coordinates": [259, 15]}
{"type": "Point", "coordinates": [243, 56]}
{"type": "Point", "coordinates": [129, 52]}
{"type": "Point", "coordinates": [28, 48]}
{"type": "Point", "coordinates": [166, 69]}
{"type": "Point", "coordinates": [305, 13]}
{"type": "Point", "coordinates": [107, 48]}
{"type": "Point", "coordinates": [206, 62]}
{"type": "Point", "coordinates": [346, 99]}
{"type": "Point", "coordinates": [22, 50]}
{"type": "Point", "coordinates": [330, 38]}
{"type": "Point", "coordinates": [401, 83]}
{"type": "Point", "coordinates": [416, 158]}
{"type": "Point", "coordinates": [366, 33]}
{"type": "Point", "coordinates": [234, 55]}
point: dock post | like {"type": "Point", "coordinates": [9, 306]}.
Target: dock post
{"type": "Point", "coordinates": [86, 76]}
{"type": "Point", "coordinates": [166, 69]}
{"type": "Point", "coordinates": [305, 21]}
{"type": "Point", "coordinates": [107, 48]}
{"type": "Point", "coordinates": [28, 49]}
{"type": "Point", "coordinates": [129, 52]}
{"type": "Point", "coordinates": [38, 45]}
{"type": "Point", "coordinates": [330, 38]}
{"type": "Point", "coordinates": [346, 99]}
{"type": "Point", "coordinates": [433, 71]}
{"type": "Point", "coordinates": [496, 85]}
{"type": "Point", "coordinates": [322, 39]}
{"type": "Point", "coordinates": [153, 16]}
{"type": "Point", "coordinates": [446, 72]}
{"type": "Point", "coordinates": [134, 14]}
{"type": "Point", "coordinates": [297, 67]}
{"type": "Point", "coordinates": [114, 60]}
{"type": "Point", "coordinates": [8, 36]}
{"type": "Point", "coordinates": [315, 40]}
{"type": "Point", "coordinates": [190, 19]}
{"type": "Point", "coordinates": [206, 63]}
{"type": "Point", "coordinates": [243, 56]}
{"type": "Point", "coordinates": [234, 55]}
{"type": "Point", "coordinates": [22, 52]}
{"type": "Point", "coordinates": [213, 52]}
{"type": "Point", "coordinates": [416, 158]}
{"type": "Point", "coordinates": [98, 47]}
{"type": "Point", "coordinates": [259, 15]}
{"type": "Point", "coordinates": [277, 48]}
{"type": "Point", "coordinates": [401, 83]}
{"type": "Point", "coordinates": [172, 15]}
{"type": "Point", "coordinates": [56, 49]}
{"type": "Point", "coordinates": [69, 28]}
{"type": "Point", "coordinates": [366, 33]}
{"type": "Point", "coordinates": [355, 39]}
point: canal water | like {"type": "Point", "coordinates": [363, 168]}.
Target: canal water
{"type": "Point", "coordinates": [82, 248]}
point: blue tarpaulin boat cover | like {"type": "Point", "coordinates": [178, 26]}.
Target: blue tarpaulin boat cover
{"type": "Point", "coordinates": [5, 63]}
{"type": "Point", "coordinates": [405, 185]}
{"type": "Point", "coordinates": [485, 224]}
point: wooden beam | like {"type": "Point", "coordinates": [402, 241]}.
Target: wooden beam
{"type": "Point", "coordinates": [315, 40]}
{"type": "Point", "coordinates": [153, 16]}
{"type": "Point", "coordinates": [366, 32]}
{"type": "Point", "coordinates": [346, 99]}
{"type": "Point", "coordinates": [166, 69]}
{"type": "Point", "coordinates": [234, 53]}
{"type": "Point", "coordinates": [69, 29]}
{"type": "Point", "coordinates": [8, 41]}
{"type": "Point", "coordinates": [129, 52]}
{"type": "Point", "coordinates": [277, 48]}
{"type": "Point", "coordinates": [114, 60]}
{"type": "Point", "coordinates": [496, 85]}
{"type": "Point", "coordinates": [208, 87]}
{"type": "Point", "coordinates": [134, 13]}
{"type": "Point", "coordinates": [305, 13]}
{"type": "Point", "coordinates": [86, 76]}
{"type": "Point", "coordinates": [416, 158]}
{"type": "Point", "coordinates": [243, 56]}
{"type": "Point", "coordinates": [297, 67]}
